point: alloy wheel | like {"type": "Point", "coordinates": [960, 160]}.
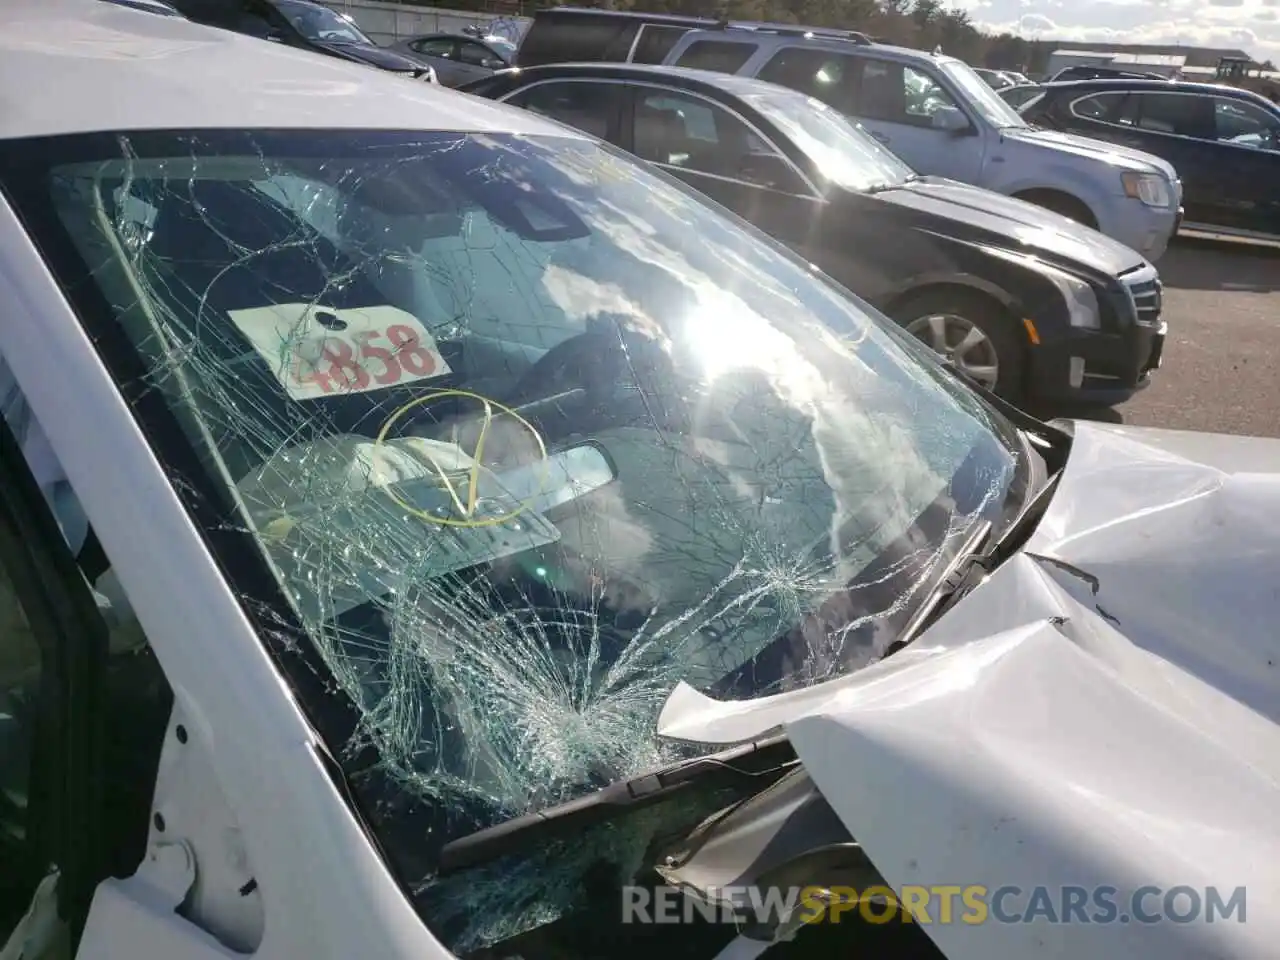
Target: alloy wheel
{"type": "Point", "coordinates": [962, 341]}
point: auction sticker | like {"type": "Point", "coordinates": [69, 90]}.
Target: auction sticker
{"type": "Point", "coordinates": [317, 351]}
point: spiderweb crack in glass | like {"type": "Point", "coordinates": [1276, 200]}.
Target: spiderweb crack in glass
{"type": "Point", "coordinates": [773, 451]}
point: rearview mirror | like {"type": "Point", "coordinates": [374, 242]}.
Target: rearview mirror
{"type": "Point", "coordinates": [950, 120]}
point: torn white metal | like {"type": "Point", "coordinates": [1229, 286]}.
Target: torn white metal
{"type": "Point", "coordinates": [1100, 713]}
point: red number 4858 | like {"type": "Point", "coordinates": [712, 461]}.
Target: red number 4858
{"type": "Point", "coordinates": [344, 365]}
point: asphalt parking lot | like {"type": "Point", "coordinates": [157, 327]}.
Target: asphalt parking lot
{"type": "Point", "coordinates": [1221, 370]}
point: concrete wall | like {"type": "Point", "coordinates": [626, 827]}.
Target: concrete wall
{"type": "Point", "coordinates": [385, 23]}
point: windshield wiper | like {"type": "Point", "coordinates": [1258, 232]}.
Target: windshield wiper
{"type": "Point", "coordinates": [754, 765]}
{"type": "Point", "coordinates": [981, 556]}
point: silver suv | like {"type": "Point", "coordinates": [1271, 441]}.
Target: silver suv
{"type": "Point", "coordinates": [939, 116]}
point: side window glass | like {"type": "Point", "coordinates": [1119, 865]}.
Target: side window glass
{"type": "Point", "coordinates": [828, 77]}
{"type": "Point", "coordinates": [721, 56]}
{"type": "Point", "coordinates": [923, 97]}
{"type": "Point", "coordinates": [135, 694]}
{"type": "Point", "coordinates": [1245, 125]}
{"type": "Point", "coordinates": [475, 55]}
{"type": "Point", "coordinates": [438, 47]}
{"type": "Point", "coordinates": [1186, 116]}
{"type": "Point", "coordinates": [255, 19]}
{"type": "Point", "coordinates": [685, 132]}
{"type": "Point", "coordinates": [589, 107]}
{"type": "Point", "coordinates": [41, 459]}
{"type": "Point", "coordinates": [22, 671]}
{"type": "Point", "coordinates": [656, 42]}
{"type": "Point", "coordinates": [1104, 107]}
{"type": "Point", "coordinates": [899, 94]}
{"type": "Point", "coordinates": [20, 676]}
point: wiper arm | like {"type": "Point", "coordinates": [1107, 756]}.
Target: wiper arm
{"type": "Point", "coordinates": [755, 765]}
{"type": "Point", "coordinates": [957, 580]}
{"type": "Point", "coordinates": [975, 565]}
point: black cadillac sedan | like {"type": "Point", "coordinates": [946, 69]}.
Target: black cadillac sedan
{"type": "Point", "coordinates": [305, 25]}
{"type": "Point", "coordinates": [1027, 303]}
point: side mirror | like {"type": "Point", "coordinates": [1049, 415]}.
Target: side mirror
{"type": "Point", "coordinates": [492, 63]}
{"type": "Point", "coordinates": [950, 120]}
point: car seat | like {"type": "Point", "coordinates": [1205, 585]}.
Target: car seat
{"type": "Point", "coordinates": [660, 135]}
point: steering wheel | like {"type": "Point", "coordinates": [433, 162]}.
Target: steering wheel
{"type": "Point", "coordinates": [598, 362]}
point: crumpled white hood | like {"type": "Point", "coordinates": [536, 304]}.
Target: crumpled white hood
{"type": "Point", "coordinates": [1102, 712]}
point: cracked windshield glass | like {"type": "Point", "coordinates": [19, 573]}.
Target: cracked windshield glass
{"type": "Point", "coordinates": [528, 435]}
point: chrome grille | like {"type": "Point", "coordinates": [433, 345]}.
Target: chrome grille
{"type": "Point", "coordinates": [1145, 293]}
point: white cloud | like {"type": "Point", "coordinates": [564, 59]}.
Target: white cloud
{"type": "Point", "coordinates": [1251, 25]}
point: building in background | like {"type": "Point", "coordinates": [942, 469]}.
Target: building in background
{"type": "Point", "coordinates": [1164, 65]}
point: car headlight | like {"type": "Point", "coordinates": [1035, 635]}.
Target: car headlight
{"type": "Point", "coordinates": [1151, 188]}
{"type": "Point", "coordinates": [1082, 301]}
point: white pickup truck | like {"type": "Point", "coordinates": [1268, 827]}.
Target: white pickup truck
{"type": "Point", "coordinates": [939, 116]}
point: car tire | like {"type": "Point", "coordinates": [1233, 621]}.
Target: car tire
{"type": "Point", "coordinates": [1061, 204]}
{"type": "Point", "coordinates": [948, 319]}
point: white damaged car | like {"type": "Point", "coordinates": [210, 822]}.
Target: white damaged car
{"type": "Point", "coordinates": [426, 533]}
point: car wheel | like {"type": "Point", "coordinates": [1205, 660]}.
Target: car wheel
{"type": "Point", "coordinates": [974, 331]}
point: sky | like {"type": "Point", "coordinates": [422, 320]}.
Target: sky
{"type": "Point", "coordinates": [1251, 25]}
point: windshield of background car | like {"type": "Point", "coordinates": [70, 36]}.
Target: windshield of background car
{"type": "Point", "coordinates": [980, 95]}
{"type": "Point", "coordinates": [843, 152]}
{"type": "Point", "coordinates": [501, 46]}
{"type": "Point", "coordinates": [522, 434]}
{"type": "Point", "coordinates": [320, 23]}
{"type": "Point", "coordinates": [1021, 99]}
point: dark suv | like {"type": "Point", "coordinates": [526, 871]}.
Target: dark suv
{"type": "Point", "coordinates": [1224, 142]}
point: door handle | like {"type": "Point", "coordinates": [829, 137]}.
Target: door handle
{"type": "Point", "coordinates": [880, 136]}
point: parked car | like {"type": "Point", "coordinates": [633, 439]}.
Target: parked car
{"type": "Point", "coordinates": [149, 6]}
{"type": "Point", "coordinates": [305, 25]}
{"type": "Point", "coordinates": [1025, 301]}
{"type": "Point", "coordinates": [486, 533]}
{"type": "Point", "coordinates": [1224, 142]}
{"type": "Point", "coordinates": [994, 78]}
{"type": "Point", "coordinates": [562, 34]}
{"type": "Point", "coordinates": [939, 116]}
{"type": "Point", "coordinates": [458, 58]}
{"type": "Point", "coordinates": [1016, 96]}
{"type": "Point", "coordinates": [588, 34]}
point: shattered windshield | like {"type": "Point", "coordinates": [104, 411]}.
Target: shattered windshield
{"type": "Point", "coordinates": [527, 435]}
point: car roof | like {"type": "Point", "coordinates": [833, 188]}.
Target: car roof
{"type": "Point", "coordinates": [746, 33]}
{"type": "Point", "coordinates": [659, 18]}
{"type": "Point", "coordinates": [1159, 86]}
{"type": "Point", "coordinates": [162, 7]}
{"type": "Point", "coordinates": [732, 84]}
{"type": "Point", "coordinates": [79, 66]}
